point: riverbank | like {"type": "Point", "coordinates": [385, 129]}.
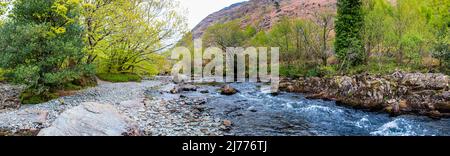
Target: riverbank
{"type": "Point", "coordinates": [159, 107]}
{"type": "Point", "coordinates": [397, 94]}
{"type": "Point", "coordinates": [114, 109]}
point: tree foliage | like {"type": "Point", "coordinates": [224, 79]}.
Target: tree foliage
{"type": "Point", "coordinates": [125, 35]}
{"type": "Point", "coordinates": [349, 25]}
{"type": "Point", "coordinates": [3, 8]}
{"type": "Point", "coordinates": [303, 43]}
{"type": "Point", "coordinates": [375, 36]}
{"type": "Point", "coordinates": [411, 31]}
{"type": "Point", "coordinates": [42, 44]}
{"type": "Point", "coordinates": [223, 35]}
{"type": "Point", "coordinates": [438, 17]}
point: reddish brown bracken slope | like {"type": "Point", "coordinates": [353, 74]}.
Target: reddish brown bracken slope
{"type": "Point", "coordinates": [264, 13]}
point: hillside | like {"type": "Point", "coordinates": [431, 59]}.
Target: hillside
{"type": "Point", "coordinates": [264, 13]}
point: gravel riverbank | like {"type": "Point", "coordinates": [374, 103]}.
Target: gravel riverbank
{"type": "Point", "coordinates": [158, 116]}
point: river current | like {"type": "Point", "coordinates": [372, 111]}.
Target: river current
{"type": "Point", "coordinates": [254, 113]}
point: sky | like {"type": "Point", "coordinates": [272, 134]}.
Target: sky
{"type": "Point", "coordinates": [198, 9]}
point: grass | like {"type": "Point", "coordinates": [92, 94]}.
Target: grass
{"type": "Point", "coordinates": [28, 97]}
{"type": "Point", "coordinates": [119, 77]}
{"type": "Point", "coordinates": [385, 66]}
{"type": "Point", "coordinates": [297, 71]}
{"type": "Point", "coordinates": [2, 72]}
{"type": "Point", "coordinates": [71, 86]}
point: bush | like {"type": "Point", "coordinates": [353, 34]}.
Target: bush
{"type": "Point", "coordinates": [43, 46]}
{"type": "Point", "coordinates": [314, 72]}
{"type": "Point", "coordinates": [30, 97]}
{"type": "Point", "coordinates": [328, 71]}
{"type": "Point", "coordinates": [2, 75]}
{"type": "Point", "coordinates": [86, 81]}
{"type": "Point", "coordinates": [119, 77]}
{"type": "Point", "coordinates": [384, 66]}
{"type": "Point", "coordinates": [71, 86]}
{"type": "Point", "coordinates": [291, 71]}
{"type": "Point", "coordinates": [299, 71]}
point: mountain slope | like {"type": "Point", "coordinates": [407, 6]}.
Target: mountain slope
{"type": "Point", "coordinates": [264, 13]}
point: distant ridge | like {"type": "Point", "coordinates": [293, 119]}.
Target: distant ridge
{"type": "Point", "coordinates": [264, 13]}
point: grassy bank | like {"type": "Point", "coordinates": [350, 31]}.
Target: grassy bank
{"type": "Point", "coordinates": [119, 77]}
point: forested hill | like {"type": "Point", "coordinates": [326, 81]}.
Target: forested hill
{"type": "Point", "coordinates": [336, 37]}
{"type": "Point", "coordinates": [265, 13]}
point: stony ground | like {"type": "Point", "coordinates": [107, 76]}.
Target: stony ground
{"type": "Point", "coordinates": [155, 116]}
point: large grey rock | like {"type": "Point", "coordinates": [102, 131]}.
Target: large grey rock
{"type": "Point", "coordinates": [425, 81]}
{"type": "Point", "coordinates": [399, 93]}
{"type": "Point", "coordinates": [91, 119]}
{"type": "Point", "coordinates": [9, 96]}
{"type": "Point", "coordinates": [34, 116]}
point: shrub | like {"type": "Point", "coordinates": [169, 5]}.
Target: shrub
{"type": "Point", "coordinates": [30, 97]}
{"type": "Point", "coordinates": [328, 71]}
{"type": "Point", "coordinates": [71, 86]}
{"type": "Point", "coordinates": [2, 75]}
{"type": "Point", "coordinates": [42, 45]}
{"type": "Point", "coordinates": [291, 71]}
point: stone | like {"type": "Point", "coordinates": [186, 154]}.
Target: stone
{"type": "Point", "coordinates": [188, 88]}
{"type": "Point", "coordinates": [133, 104]}
{"type": "Point", "coordinates": [290, 88]}
{"type": "Point", "coordinates": [180, 78]}
{"type": "Point", "coordinates": [183, 88]}
{"type": "Point", "coordinates": [228, 90]}
{"type": "Point", "coordinates": [9, 96]}
{"type": "Point", "coordinates": [35, 116]}
{"type": "Point", "coordinates": [204, 91]}
{"type": "Point", "coordinates": [443, 107]}
{"type": "Point", "coordinates": [227, 123]}
{"type": "Point", "coordinates": [200, 108]}
{"type": "Point", "coordinates": [403, 104]}
{"type": "Point", "coordinates": [175, 90]}
{"type": "Point", "coordinates": [398, 93]}
{"type": "Point", "coordinates": [446, 95]}
{"type": "Point", "coordinates": [252, 109]}
{"type": "Point", "coordinates": [91, 119]}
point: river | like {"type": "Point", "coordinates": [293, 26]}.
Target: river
{"type": "Point", "coordinates": [254, 113]}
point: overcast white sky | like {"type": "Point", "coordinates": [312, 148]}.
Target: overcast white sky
{"type": "Point", "coordinates": [199, 9]}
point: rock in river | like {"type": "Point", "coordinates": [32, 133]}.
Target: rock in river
{"type": "Point", "coordinates": [183, 88]}
{"type": "Point", "coordinates": [91, 119]}
{"type": "Point", "coordinates": [228, 90]}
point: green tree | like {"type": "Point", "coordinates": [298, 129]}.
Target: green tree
{"type": "Point", "coordinates": [409, 33]}
{"type": "Point", "coordinates": [125, 35]}
{"type": "Point", "coordinates": [42, 44]}
{"type": "Point", "coordinates": [225, 35]}
{"type": "Point", "coordinates": [375, 24]}
{"type": "Point", "coordinates": [3, 8]}
{"type": "Point", "coordinates": [324, 20]}
{"type": "Point", "coordinates": [438, 17]}
{"type": "Point", "coordinates": [280, 36]}
{"type": "Point", "coordinates": [349, 25]}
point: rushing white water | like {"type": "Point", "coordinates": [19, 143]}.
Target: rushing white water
{"type": "Point", "coordinates": [256, 113]}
